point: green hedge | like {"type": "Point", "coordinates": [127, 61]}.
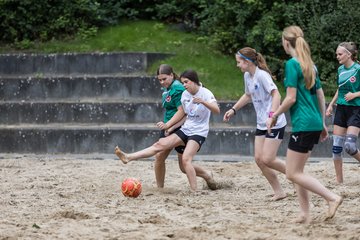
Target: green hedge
{"type": "Point", "coordinates": [226, 25]}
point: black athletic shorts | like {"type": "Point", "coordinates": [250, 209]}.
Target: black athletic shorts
{"type": "Point", "coordinates": [275, 133]}
{"type": "Point", "coordinates": [177, 149]}
{"type": "Point", "coordinates": [197, 138]}
{"type": "Point", "coordinates": [303, 142]}
{"type": "Point", "coordinates": [346, 116]}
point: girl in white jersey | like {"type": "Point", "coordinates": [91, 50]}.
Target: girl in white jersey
{"type": "Point", "coordinates": [197, 103]}
{"type": "Point", "coordinates": [263, 93]}
{"type": "Point", "coordinates": [347, 98]}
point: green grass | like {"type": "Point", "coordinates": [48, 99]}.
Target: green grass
{"type": "Point", "coordinates": [216, 71]}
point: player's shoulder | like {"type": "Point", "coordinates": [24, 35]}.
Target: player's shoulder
{"type": "Point", "coordinates": [205, 90]}
{"type": "Point", "coordinates": [341, 67]}
{"type": "Point", "coordinates": [292, 61]}
{"type": "Point", "coordinates": [260, 73]}
{"type": "Point", "coordinates": [357, 65]}
{"type": "Point", "coordinates": [178, 85]}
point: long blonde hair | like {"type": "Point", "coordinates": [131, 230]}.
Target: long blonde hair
{"type": "Point", "coordinates": [295, 36]}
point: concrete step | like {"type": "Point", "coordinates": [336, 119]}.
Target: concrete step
{"type": "Point", "coordinates": [77, 63]}
{"type": "Point", "coordinates": [102, 138]}
{"type": "Point", "coordinates": [90, 102]}
{"type": "Point", "coordinates": [107, 110]}
{"type": "Point", "coordinates": [75, 88]}
{"type": "Point", "coordinates": [100, 111]}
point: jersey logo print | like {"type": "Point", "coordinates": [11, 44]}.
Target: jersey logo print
{"type": "Point", "coordinates": [168, 99]}
{"type": "Point", "coordinates": [353, 79]}
{"type": "Point", "coordinates": [346, 75]}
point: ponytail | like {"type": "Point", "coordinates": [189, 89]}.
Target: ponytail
{"type": "Point", "coordinates": [307, 65]}
{"type": "Point", "coordinates": [256, 58]}
{"type": "Point", "coordinates": [262, 65]}
{"type": "Point", "coordinates": [295, 36]}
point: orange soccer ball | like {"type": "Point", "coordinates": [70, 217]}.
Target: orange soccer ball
{"type": "Point", "coordinates": [131, 187]}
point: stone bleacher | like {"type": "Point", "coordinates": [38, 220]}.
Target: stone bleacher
{"type": "Point", "coordinates": [82, 103]}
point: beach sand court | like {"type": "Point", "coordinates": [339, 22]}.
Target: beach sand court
{"type": "Point", "coordinates": [62, 197]}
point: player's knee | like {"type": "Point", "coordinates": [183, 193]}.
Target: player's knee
{"type": "Point", "coordinates": [350, 144]}
{"type": "Point", "coordinates": [337, 148]}
{"type": "Point", "coordinates": [186, 160]}
{"type": "Point", "coordinates": [290, 176]}
{"type": "Point", "coordinates": [266, 160]}
{"type": "Point", "coordinates": [181, 166]}
{"type": "Point", "coordinates": [161, 144]}
{"type": "Point", "coordinates": [258, 159]}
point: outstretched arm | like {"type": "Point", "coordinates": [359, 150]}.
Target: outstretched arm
{"type": "Point", "coordinates": [244, 99]}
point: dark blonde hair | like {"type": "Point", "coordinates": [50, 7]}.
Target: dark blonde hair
{"type": "Point", "coordinates": [295, 36]}
{"type": "Point", "coordinates": [255, 57]}
{"type": "Point", "coordinates": [166, 69]}
{"type": "Point", "coordinates": [352, 48]}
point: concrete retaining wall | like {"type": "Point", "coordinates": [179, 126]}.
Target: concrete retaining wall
{"type": "Point", "coordinates": [76, 63]}
{"type": "Point", "coordinates": [89, 103]}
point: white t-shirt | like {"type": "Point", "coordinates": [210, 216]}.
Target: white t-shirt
{"type": "Point", "coordinates": [197, 115]}
{"type": "Point", "coordinates": [259, 87]}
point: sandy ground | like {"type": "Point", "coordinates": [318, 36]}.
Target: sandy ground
{"type": "Point", "coordinates": [61, 197]}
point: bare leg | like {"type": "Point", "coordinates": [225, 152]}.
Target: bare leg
{"type": "Point", "coordinates": [303, 197]}
{"type": "Point", "coordinates": [295, 163]}
{"type": "Point", "coordinates": [338, 143]}
{"type": "Point", "coordinates": [162, 144]}
{"type": "Point", "coordinates": [338, 165]}
{"type": "Point", "coordinates": [264, 151]}
{"type": "Point", "coordinates": [160, 168]}
{"type": "Point", "coordinates": [201, 172]}
{"type": "Point", "coordinates": [355, 131]}
{"type": "Point", "coordinates": [193, 171]}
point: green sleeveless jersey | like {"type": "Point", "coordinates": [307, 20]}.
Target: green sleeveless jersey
{"type": "Point", "coordinates": [171, 99]}
{"type": "Point", "coordinates": [305, 113]}
{"type": "Point", "coordinates": [348, 81]}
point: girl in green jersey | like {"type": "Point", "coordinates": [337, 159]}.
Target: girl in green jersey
{"type": "Point", "coordinates": [347, 98]}
{"type": "Point", "coordinates": [306, 102]}
{"type": "Point", "coordinates": [171, 96]}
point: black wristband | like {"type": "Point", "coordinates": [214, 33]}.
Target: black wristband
{"type": "Point", "coordinates": [233, 110]}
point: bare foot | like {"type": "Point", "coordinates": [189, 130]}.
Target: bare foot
{"type": "Point", "coordinates": [302, 219]}
{"type": "Point", "coordinates": [339, 180]}
{"type": "Point", "coordinates": [278, 197]}
{"type": "Point", "coordinates": [121, 155]}
{"type": "Point", "coordinates": [333, 206]}
{"type": "Point", "coordinates": [211, 182]}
